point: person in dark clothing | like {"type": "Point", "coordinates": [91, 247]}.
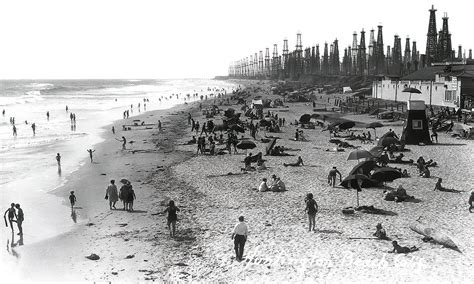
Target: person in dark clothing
{"type": "Point", "coordinates": [19, 219]}
{"type": "Point", "coordinates": [471, 202]}
{"type": "Point", "coordinates": [434, 134]}
{"type": "Point", "coordinates": [11, 215]}
{"type": "Point", "coordinates": [332, 176]}
{"type": "Point", "coordinates": [172, 217]}
{"type": "Point", "coordinates": [311, 209]}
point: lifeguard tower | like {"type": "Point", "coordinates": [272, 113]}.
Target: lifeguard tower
{"type": "Point", "coordinates": [416, 128]}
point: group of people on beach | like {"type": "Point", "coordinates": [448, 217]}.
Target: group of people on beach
{"type": "Point", "coordinates": [15, 215]}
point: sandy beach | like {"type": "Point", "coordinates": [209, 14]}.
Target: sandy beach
{"type": "Point", "coordinates": [136, 246]}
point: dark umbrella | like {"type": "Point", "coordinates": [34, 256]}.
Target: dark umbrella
{"type": "Point", "coordinates": [354, 181]}
{"type": "Point", "coordinates": [376, 151]}
{"type": "Point", "coordinates": [270, 145]}
{"type": "Point", "coordinates": [387, 141]}
{"type": "Point", "coordinates": [346, 125]}
{"type": "Point", "coordinates": [246, 144]}
{"type": "Point", "coordinates": [386, 174]}
{"type": "Point", "coordinates": [364, 167]}
{"type": "Point", "coordinates": [305, 118]}
{"type": "Point", "coordinates": [359, 154]}
{"type": "Point", "coordinates": [375, 125]}
{"type": "Point", "coordinates": [411, 91]}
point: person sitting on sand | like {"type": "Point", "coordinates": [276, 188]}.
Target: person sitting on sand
{"type": "Point", "coordinates": [297, 135]}
{"type": "Point", "coordinates": [399, 249]}
{"type": "Point", "coordinates": [383, 160]}
{"type": "Point", "coordinates": [471, 201]}
{"type": "Point", "coordinates": [380, 232]}
{"type": "Point", "coordinates": [332, 176]}
{"type": "Point", "coordinates": [405, 173]}
{"type": "Point", "coordinates": [192, 141]}
{"type": "Point", "coordinates": [172, 217]}
{"type": "Point", "coordinates": [263, 186]}
{"type": "Point", "coordinates": [261, 165]}
{"type": "Point", "coordinates": [297, 164]}
{"type": "Point", "coordinates": [311, 209]}
{"type": "Point", "coordinates": [426, 173]}
{"type": "Point", "coordinates": [278, 185]}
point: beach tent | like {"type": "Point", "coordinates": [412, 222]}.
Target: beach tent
{"type": "Point", "coordinates": [346, 90]}
{"type": "Point", "coordinates": [415, 130]}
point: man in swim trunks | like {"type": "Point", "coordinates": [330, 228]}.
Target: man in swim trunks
{"type": "Point", "coordinates": [20, 219]}
{"type": "Point", "coordinates": [332, 176]}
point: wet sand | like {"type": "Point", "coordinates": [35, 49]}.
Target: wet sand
{"type": "Point", "coordinates": [136, 246]}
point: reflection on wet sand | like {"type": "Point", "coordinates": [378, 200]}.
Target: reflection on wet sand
{"type": "Point", "coordinates": [11, 244]}
{"type": "Point", "coordinates": [73, 215]}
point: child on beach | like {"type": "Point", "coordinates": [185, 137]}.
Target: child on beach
{"type": "Point", "coordinates": [90, 151]}
{"type": "Point", "coordinates": [332, 176]}
{"type": "Point", "coordinates": [72, 199]}
{"type": "Point", "coordinates": [172, 217]}
{"type": "Point", "coordinates": [311, 209]}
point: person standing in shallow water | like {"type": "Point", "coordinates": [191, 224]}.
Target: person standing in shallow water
{"type": "Point", "coordinates": [72, 199]}
{"type": "Point", "coordinates": [112, 194]}
{"type": "Point", "coordinates": [240, 237]}
{"type": "Point", "coordinates": [20, 218]}
{"type": "Point", "coordinates": [58, 159]}
{"type": "Point", "coordinates": [172, 217]}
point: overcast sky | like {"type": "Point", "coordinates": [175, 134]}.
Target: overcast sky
{"type": "Point", "coordinates": [183, 39]}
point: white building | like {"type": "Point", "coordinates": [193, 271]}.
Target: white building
{"type": "Point", "coordinates": [443, 85]}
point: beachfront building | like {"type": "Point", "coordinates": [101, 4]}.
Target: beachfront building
{"type": "Point", "coordinates": [447, 85]}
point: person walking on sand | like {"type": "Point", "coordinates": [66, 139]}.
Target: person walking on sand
{"type": "Point", "coordinates": [47, 115]}
{"type": "Point", "coordinates": [113, 130]}
{"type": "Point", "coordinates": [72, 199]}
{"type": "Point", "coordinates": [332, 176]}
{"type": "Point", "coordinates": [112, 194]}
{"type": "Point", "coordinates": [172, 217]}
{"type": "Point", "coordinates": [19, 219]}
{"type": "Point", "coordinates": [33, 127]}
{"type": "Point", "coordinates": [124, 193]}
{"type": "Point", "coordinates": [124, 142]}
{"type": "Point", "coordinates": [131, 197]}
{"type": "Point", "coordinates": [11, 216]}
{"type": "Point", "coordinates": [90, 153]}
{"type": "Point", "coordinates": [14, 131]}
{"type": "Point", "coordinates": [240, 237]}
{"type": "Point", "coordinates": [311, 209]}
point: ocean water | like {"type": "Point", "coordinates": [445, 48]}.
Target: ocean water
{"type": "Point", "coordinates": [28, 168]}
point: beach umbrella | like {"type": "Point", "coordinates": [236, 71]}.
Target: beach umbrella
{"type": "Point", "coordinates": [375, 125]}
{"type": "Point", "coordinates": [246, 144]}
{"type": "Point", "coordinates": [355, 182]}
{"type": "Point", "coordinates": [359, 154]}
{"type": "Point", "coordinates": [376, 151]}
{"type": "Point", "coordinates": [386, 174]}
{"type": "Point", "coordinates": [387, 141]}
{"type": "Point", "coordinates": [270, 145]}
{"type": "Point", "coordinates": [346, 125]}
{"type": "Point", "coordinates": [364, 167]}
{"type": "Point", "coordinates": [305, 118]}
{"type": "Point", "coordinates": [411, 91]}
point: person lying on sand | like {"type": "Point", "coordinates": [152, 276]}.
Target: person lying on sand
{"type": "Point", "coordinates": [439, 187]}
{"type": "Point", "coordinates": [297, 164]}
{"type": "Point", "coordinates": [399, 249]}
{"type": "Point", "coordinates": [380, 232]}
{"type": "Point", "coordinates": [192, 141]}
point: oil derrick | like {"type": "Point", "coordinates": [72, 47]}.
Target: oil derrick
{"type": "Point", "coordinates": [275, 62]}
{"type": "Point", "coordinates": [336, 61]}
{"type": "Point", "coordinates": [379, 55]}
{"type": "Point", "coordinates": [307, 61]}
{"type": "Point", "coordinates": [414, 57]}
{"type": "Point", "coordinates": [299, 56]}
{"type": "Point", "coordinates": [349, 59]}
{"type": "Point", "coordinates": [313, 60]}
{"type": "Point", "coordinates": [255, 64]}
{"type": "Point", "coordinates": [460, 52]}
{"type": "Point", "coordinates": [431, 41]}
{"type": "Point", "coordinates": [371, 57]}
{"type": "Point", "coordinates": [325, 65]}
{"type": "Point", "coordinates": [388, 60]}
{"type": "Point", "coordinates": [354, 53]}
{"type": "Point", "coordinates": [331, 59]}
{"type": "Point", "coordinates": [317, 60]}
{"type": "Point", "coordinates": [470, 54]}
{"type": "Point", "coordinates": [267, 62]}
{"type": "Point", "coordinates": [292, 62]}
{"type": "Point", "coordinates": [407, 57]}
{"type": "Point", "coordinates": [444, 42]}
{"type": "Point", "coordinates": [397, 56]}
{"type": "Point", "coordinates": [251, 67]}
{"type": "Point", "coordinates": [361, 59]}
{"type": "Point", "coordinates": [260, 63]}
{"type": "Point", "coordinates": [285, 58]}
{"type": "Point", "coordinates": [345, 63]}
